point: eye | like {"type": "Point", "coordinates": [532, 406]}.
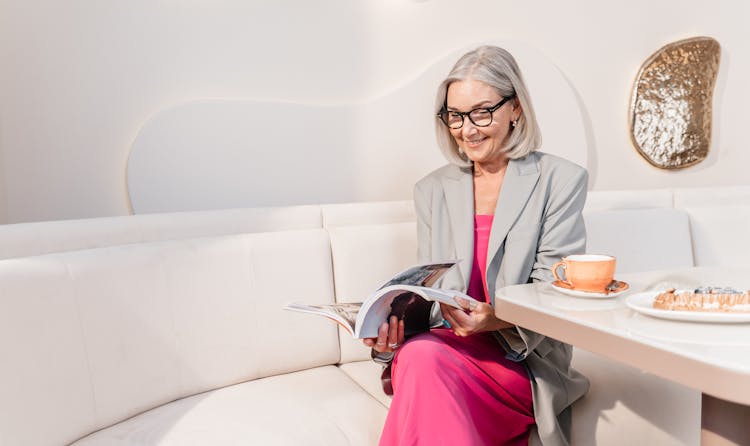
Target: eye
{"type": "Point", "coordinates": [481, 117]}
{"type": "Point", "coordinates": [455, 117]}
{"type": "Point", "coordinates": [480, 113]}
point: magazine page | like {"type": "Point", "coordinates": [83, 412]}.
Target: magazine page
{"type": "Point", "coordinates": [375, 311]}
{"type": "Point", "coordinates": [445, 296]}
{"type": "Point", "coordinates": [414, 281]}
{"type": "Point", "coordinates": [344, 313]}
{"type": "Point", "coordinates": [421, 275]}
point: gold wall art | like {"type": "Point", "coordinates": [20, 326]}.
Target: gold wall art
{"type": "Point", "coordinates": [670, 106]}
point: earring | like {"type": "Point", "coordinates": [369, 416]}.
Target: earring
{"type": "Point", "coordinates": [514, 123]}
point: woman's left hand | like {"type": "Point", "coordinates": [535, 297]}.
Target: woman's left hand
{"type": "Point", "coordinates": [474, 317]}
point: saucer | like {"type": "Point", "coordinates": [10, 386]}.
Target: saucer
{"type": "Point", "coordinates": [566, 289]}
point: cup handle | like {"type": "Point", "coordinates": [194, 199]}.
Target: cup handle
{"type": "Point", "coordinates": [564, 266]}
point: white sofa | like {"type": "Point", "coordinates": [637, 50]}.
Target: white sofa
{"type": "Point", "coordinates": [167, 329]}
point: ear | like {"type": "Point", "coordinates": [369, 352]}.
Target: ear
{"type": "Point", "coordinates": [517, 109]}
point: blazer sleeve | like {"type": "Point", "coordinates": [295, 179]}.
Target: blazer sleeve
{"type": "Point", "coordinates": [562, 233]}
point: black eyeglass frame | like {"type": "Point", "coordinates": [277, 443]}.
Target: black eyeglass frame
{"type": "Point", "coordinates": [443, 114]}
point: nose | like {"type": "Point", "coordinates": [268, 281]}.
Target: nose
{"type": "Point", "coordinates": [468, 128]}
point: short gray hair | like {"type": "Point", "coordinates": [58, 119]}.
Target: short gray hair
{"type": "Point", "coordinates": [497, 68]}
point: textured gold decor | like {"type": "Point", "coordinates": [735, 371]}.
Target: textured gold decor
{"type": "Point", "coordinates": [670, 108]}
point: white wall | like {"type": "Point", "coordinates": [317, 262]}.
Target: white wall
{"type": "Point", "coordinates": [79, 78]}
{"type": "Point", "coordinates": [3, 206]}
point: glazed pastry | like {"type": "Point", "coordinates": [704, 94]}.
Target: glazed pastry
{"type": "Point", "coordinates": [713, 299]}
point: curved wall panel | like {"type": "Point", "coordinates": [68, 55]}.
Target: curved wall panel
{"type": "Point", "coordinates": [222, 153]}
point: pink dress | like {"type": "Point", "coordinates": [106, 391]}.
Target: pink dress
{"type": "Point", "coordinates": [450, 390]}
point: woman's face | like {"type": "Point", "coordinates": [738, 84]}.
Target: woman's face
{"type": "Point", "coordinates": [481, 145]}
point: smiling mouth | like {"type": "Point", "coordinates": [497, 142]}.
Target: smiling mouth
{"type": "Point", "coordinates": [474, 142]}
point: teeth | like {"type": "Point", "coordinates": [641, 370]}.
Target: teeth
{"type": "Point", "coordinates": [474, 141]}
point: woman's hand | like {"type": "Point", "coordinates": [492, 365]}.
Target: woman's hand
{"type": "Point", "coordinates": [474, 317]}
{"type": "Point", "coordinates": [390, 336]}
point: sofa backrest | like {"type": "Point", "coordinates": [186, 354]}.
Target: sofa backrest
{"type": "Point", "coordinates": [629, 199]}
{"type": "Point", "coordinates": [28, 239]}
{"type": "Point", "coordinates": [720, 235]}
{"type": "Point", "coordinates": [718, 217]}
{"type": "Point", "coordinates": [373, 213]}
{"type": "Point", "coordinates": [640, 239]}
{"type": "Point", "coordinates": [364, 258]}
{"type": "Point", "coordinates": [95, 336]}
{"type": "Point", "coordinates": [711, 196]}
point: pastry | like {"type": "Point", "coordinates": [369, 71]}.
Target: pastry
{"type": "Point", "coordinates": [713, 299]}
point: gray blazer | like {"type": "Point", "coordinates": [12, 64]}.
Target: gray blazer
{"type": "Point", "coordinates": [537, 222]}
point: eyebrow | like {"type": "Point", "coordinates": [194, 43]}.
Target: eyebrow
{"type": "Point", "coordinates": [480, 104]}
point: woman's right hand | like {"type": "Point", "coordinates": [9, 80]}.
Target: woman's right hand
{"type": "Point", "coordinates": [390, 336]}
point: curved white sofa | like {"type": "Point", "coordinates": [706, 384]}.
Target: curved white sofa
{"type": "Point", "coordinates": [167, 329]}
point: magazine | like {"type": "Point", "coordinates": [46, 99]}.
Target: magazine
{"type": "Point", "coordinates": [408, 295]}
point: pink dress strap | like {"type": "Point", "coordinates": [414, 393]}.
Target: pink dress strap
{"type": "Point", "coordinates": [478, 281]}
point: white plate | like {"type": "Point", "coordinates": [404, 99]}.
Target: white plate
{"type": "Point", "coordinates": [643, 303]}
{"type": "Point", "coordinates": [589, 294]}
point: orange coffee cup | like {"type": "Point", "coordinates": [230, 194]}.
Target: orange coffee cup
{"type": "Point", "coordinates": [586, 272]}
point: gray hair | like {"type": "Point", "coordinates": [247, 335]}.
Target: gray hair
{"type": "Point", "coordinates": [497, 68]}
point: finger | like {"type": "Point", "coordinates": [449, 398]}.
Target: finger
{"type": "Point", "coordinates": [448, 315]}
{"type": "Point", "coordinates": [445, 308]}
{"type": "Point", "coordinates": [462, 319]}
{"type": "Point", "coordinates": [393, 333]}
{"type": "Point", "coordinates": [463, 303]}
{"type": "Point", "coordinates": [401, 329]}
{"type": "Point", "coordinates": [466, 304]}
{"type": "Point", "coordinates": [380, 345]}
{"type": "Point", "coordinates": [368, 342]}
{"type": "Point", "coordinates": [451, 311]}
{"type": "Point", "coordinates": [462, 323]}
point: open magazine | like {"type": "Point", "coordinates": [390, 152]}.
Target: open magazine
{"type": "Point", "coordinates": [408, 295]}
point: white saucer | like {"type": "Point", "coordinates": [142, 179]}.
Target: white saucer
{"type": "Point", "coordinates": [565, 289]}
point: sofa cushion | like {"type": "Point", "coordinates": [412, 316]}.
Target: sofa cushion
{"type": "Point", "coordinates": [720, 235]}
{"type": "Point", "coordinates": [319, 406]}
{"type": "Point", "coordinates": [27, 239]}
{"type": "Point", "coordinates": [364, 258]}
{"type": "Point", "coordinates": [367, 375]}
{"type": "Point", "coordinates": [115, 331]}
{"type": "Point", "coordinates": [640, 239]}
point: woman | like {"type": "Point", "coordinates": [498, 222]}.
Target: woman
{"type": "Point", "coordinates": [509, 213]}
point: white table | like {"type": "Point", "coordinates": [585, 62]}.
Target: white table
{"type": "Point", "coordinates": [712, 358]}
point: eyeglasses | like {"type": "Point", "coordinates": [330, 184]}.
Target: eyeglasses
{"type": "Point", "coordinates": [480, 117]}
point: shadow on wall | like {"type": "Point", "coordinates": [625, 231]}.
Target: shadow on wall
{"type": "Point", "coordinates": [588, 129]}
{"type": "Point", "coordinates": [719, 93]}
{"type": "Point", "coordinates": [213, 153]}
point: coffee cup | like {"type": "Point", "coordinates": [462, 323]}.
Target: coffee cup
{"type": "Point", "coordinates": [585, 272]}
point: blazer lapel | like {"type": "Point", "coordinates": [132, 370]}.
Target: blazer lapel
{"type": "Point", "coordinates": [459, 197]}
{"type": "Point", "coordinates": [520, 178]}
